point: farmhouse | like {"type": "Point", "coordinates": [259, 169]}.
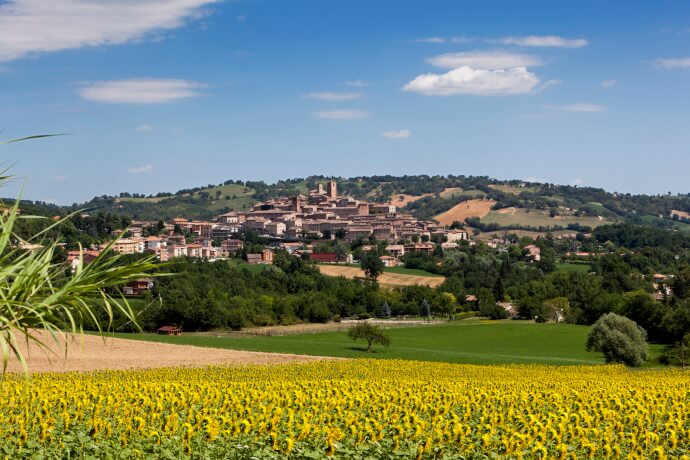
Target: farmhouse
{"type": "Point", "coordinates": [324, 257]}
{"type": "Point", "coordinates": [389, 261]}
{"type": "Point", "coordinates": [169, 330]}
{"type": "Point", "coordinates": [138, 287]}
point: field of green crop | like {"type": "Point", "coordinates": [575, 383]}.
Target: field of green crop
{"type": "Point", "coordinates": [571, 267]}
{"type": "Point", "coordinates": [470, 342]}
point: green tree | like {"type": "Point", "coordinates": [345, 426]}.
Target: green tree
{"type": "Point", "coordinates": [372, 334]}
{"type": "Point", "coordinates": [488, 306]}
{"type": "Point", "coordinates": [371, 264]}
{"type": "Point", "coordinates": [620, 339]}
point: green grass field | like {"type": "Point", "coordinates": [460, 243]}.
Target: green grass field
{"type": "Point", "coordinates": [471, 342]}
{"type": "Point", "coordinates": [243, 197]}
{"type": "Point", "coordinates": [570, 267]}
{"type": "Point", "coordinates": [249, 267]}
{"type": "Point", "coordinates": [410, 271]}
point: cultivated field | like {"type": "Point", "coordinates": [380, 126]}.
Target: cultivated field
{"type": "Point", "coordinates": [315, 328]}
{"type": "Point", "coordinates": [386, 278]}
{"type": "Point", "coordinates": [91, 352]}
{"type": "Point", "coordinates": [350, 409]}
{"type": "Point", "coordinates": [461, 211]}
{"type": "Point", "coordinates": [538, 218]}
{"type": "Point", "coordinates": [680, 214]}
{"type": "Point", "coordinates": [466, 342]}
{"type": "Point", "coordinates": [402, 200]}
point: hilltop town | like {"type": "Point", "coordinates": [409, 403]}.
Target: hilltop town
{"type": "Point", "coordinates": [287, 222]}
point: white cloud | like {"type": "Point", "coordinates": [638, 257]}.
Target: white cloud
{"type": "Point", "coordinates": [577, 181]}
{"type": "Point", "coordinates": [430, 40]}
{"type": "Point", "coordinates": [579, 107]}
{"type": "Point", "coordinates": [36, 26]}
{"type": "Point", "coordinates": [140, 169]}
{"type": "Point", "coordinates": [485, 60]}
{"type": "Point", "coordinates": [143, 128]}
{"type": "Point", "coordinates": [140, 91]}
{"type": "Point", "coordinates": [357, 83]}
{"type": "Point", "coordinates": [241, 18]}
{"type": "Point", "coordinates": [542, 41]}
{"type": "Point", "coordinates": [468, 80]}
{"type": "Point", "coordinates": [673, 63]}
{"type": "Point", "coordinates": [607, 83]}
{"type": "Point", "coordinates": [329, 96]}
{"type": "Point", "coordinates": [397, 134]}
{"type": "Point", "coordinates": [343, 114]}
{"type": "Point", "coordinates": [454, 40]}
{"type": "Point", "coordinates": [60, 178]}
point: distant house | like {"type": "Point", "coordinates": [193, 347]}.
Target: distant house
{"type": "Point", "coordinates": [231, 246]}
{"type": "Point", "coordinates": [510, 309]}
{"type": "Point", "coordinates": [395, 250]}
{"type": "Point", "coordinates": [291, 247]}
{"type": "Point", "coordinates": [533, 253]}
{"type": "Point", "coordinates": [457, 235]}
{"type": "Point", "coordinates": [153, 243]}
{"type": "Point", "coordinates": [138, 287]}
{"type": "Point", "coordinates": [179, 239]}
{"type": "Point", "coordinates": [129, 246]}
{"type": "Point", "coordinates": [224, 232]}
{"type": "Point", "coordinates": [169, 330]}
{"type": "Point", "coordinates": [88, 256]}
{"type": "Point", "coordinates": [662, 289]}
{"type": "Point", "coordinates": [324, 257]}
{"type": "Point", "coordinates": [419, 247]}
{"type": "Point", "coordinates": [194, 250]}
{"type": "Point", "coordinates": [389, 261]}
{"type": "Point", "coordinates": [265, 258]}
{"type": "Point", "coordinates": [382, 208]}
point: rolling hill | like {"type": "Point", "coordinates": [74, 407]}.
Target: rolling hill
{"type": "Point", "coordinates": [517, 205]}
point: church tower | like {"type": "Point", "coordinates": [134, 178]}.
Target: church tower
{"type": "Point", "coordinates": [332, 189]}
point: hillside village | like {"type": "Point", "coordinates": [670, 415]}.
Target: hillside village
{"type": "Point", "coordinates": [303, 224]}
{"type": "Point", "coordinates": [287, 222]}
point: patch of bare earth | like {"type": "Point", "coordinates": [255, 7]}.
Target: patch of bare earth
{"type": "Point", "coordinates": [315, 328]}
{"type": "Point", "coordinates": [403, 200]}
{"type": "Point", "coordinates": [385, 279]}
{"type": "Point", "coordinates": [461, 211]}
{"type": "Point", "coordinates": [91, 353]}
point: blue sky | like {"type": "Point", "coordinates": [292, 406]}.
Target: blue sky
{"type": "Point", "coordinates": [168, 94]}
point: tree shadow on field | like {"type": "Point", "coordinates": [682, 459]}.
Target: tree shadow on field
{"type": "Point", "coordinates": [363, 350]}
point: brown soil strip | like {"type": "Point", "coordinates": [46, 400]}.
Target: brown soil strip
{"type": "Point", "coordinates": [91, 352]}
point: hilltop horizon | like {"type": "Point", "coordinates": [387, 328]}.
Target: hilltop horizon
{"type": "Point", "coordinates": [271, 182]}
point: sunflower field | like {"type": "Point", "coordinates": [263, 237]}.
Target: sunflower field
{"type": "Point", "coordinates": [369, 409]}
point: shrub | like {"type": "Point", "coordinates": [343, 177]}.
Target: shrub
{"type": "Point", "coordinates": [492, 311]}
{"type": "Point", "coordinates": [620, 339]}
{"type": "Point", "coordinates": [372, 334]}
